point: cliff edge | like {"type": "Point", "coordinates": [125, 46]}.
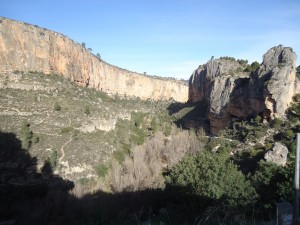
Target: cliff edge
{"type": "Point", "coordinates": [25, 47]}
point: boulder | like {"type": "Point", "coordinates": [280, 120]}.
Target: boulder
{"type": "Point", "coordinates": [278, 154]}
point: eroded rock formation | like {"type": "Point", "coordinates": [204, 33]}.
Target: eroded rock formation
{"type": "Point", "coordinates": [230, 93]}
{"type": "Point", "coordinates": [278, 154]}
{"type": "Point", "coordinates": [26, 47]}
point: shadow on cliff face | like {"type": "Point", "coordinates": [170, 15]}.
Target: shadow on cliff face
{"type": "Point", "coordinates": [194, 118]}
{"type": "Point", "coordinates": [31, 197]}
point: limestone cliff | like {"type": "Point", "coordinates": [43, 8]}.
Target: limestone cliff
{"type": "Point", "coordinates": [230, 93]}
{"type": "Point", "coordinates": [26, 47]}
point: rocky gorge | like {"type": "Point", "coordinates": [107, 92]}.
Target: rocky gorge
{"type": "Point", "coordinates": [221, 83]}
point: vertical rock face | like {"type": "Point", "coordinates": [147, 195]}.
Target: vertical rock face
{"type": "Point", "coordinates": [279, 65]}
{"type": "Point", "coordinates": [26, 47]}
{"type": "Point", "coordinates": [233, 94]}
{"type": "Point", "coordinates": [200, 80]}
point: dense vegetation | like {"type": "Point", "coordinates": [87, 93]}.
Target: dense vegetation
{"type": "Point", "coordinates": [244, 63]}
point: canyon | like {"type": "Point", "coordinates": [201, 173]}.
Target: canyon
{"type": "Point", "coordinates": [81, 140]}
{"type": "Point", "coordinates": [222, 84]}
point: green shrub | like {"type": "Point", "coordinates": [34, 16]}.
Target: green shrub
{"type": "Point", "coordinates": [242, 62]}
{"type": "Point", "coordinates": [66, 130]}
{"type": "Point", "coordinates": [211, 176]}
{"type": "Point", "coordinates": [255, 65]}
{"type": "Point", "coordinates": [276, 123]}
{"type": "Point", "coordinates": [228, 58]}
{"type": "Point", "coordinates": [138, 137]}
{"type": "Point", "coordinates": [53, 159]}
{"type": "Point", "coordinates": [289, 134]}
{"type": "Point", "coordinates": [35, 139]}
{"type": "Point", "coordinates": [138, 118]}
{"type": "Point", "coordinates": [75, 134]}
{"type": "Point", "coordinates": [257, 119]}
{"type": "Point", "coordinates": [119, 156]}
{"type": "Point", "coordinates": [296, 98]}
{"type": "Point", "coordinates": [26, 135]}
{"type": "Point", "coordinates": [56, 107]}
{"type": "Point", "coordinates": [101, 170]}
{"type": "Point", "coordinates": [167, 130]}
{"type": "Point", "coordinates": [248, 68]}
{"type": "Point", "coordinates": [252, 67]}
{"type": "Point", "coordinates": [153, 125]}
{"type": "Point", "coordinates": [87, 110]}
{"type": "Point", "coordinates": [274, 184]}
{"type": "Point", "coordinates": [295, 107]}
{"type": "Point", "coordinates": [126, 148]}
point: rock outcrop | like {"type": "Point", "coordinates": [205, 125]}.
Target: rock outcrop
{"type": "Point", "coordinates": [231, 94]}
{"type": "Point", "coordinates": [278, 154]}
{"type": "Point", "coordinates": [26, 47]}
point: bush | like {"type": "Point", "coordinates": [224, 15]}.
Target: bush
{"type": "Point", "coordinates": [273, 184]}
{"type": "Point", "coordinates": [53, 159]}
{"type": "Point", "coordinates": [35, 139]}
{"type": "Point", "coordinates": [153, 125]}
{"type": "Point", "coordinates": [228, 58]}
{"type": "Point", "coordinates": [26, 135]}
{"type": "Point", "coordinates": [210, 176]}
{"type": "Point", "coordinates": [119, 156]}
{"type": "Point", "coordinates": [75, 134]}
{"type": "Point", "coordinates": [56, 107]}
{"type": "Point", "coordinates": [252, 67]}
{"type": "Point", "coordinates": [66, 130]}
{"type": "Point", "coordinates": [276, 123]}
{"type": "Point", "coordinates": [167, 130]}
{"type": "Point", "coordinates": [255, 65]}
{"type": "Point", "coordinates": [138, 118]}
{"type": "Point", "coordinates": [242, 62]}
{"type": "Point", "coordinates": [87, 110]}
{"type": "Point", "coordinates": [101, 170]}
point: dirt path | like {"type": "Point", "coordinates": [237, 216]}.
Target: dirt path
{"type": "Point", "coordinates": [62, 150]}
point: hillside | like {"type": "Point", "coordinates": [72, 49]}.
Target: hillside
{"type": "Point", "coordinates": [82, 127]}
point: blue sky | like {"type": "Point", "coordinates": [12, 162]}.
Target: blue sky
{"type": "Point", "coordinates": [167, 37]}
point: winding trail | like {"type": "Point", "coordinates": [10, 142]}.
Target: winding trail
{"type": "Point", "coordinates": [62, 150]}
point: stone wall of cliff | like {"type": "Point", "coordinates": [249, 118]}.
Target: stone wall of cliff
{"type": "Point", "coordinates": [26, 47]}
{"type": "Point", "coordinates": [232, 94]}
